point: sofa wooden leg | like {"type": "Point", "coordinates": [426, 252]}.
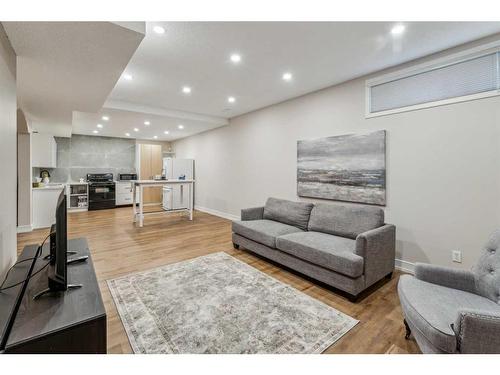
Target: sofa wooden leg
{"type": "Point", "coordinates": [408, 330]}
{"type": "Point", "coordinates": [236, 246]}
{"type": "Point", "coordinates": [388, 276]}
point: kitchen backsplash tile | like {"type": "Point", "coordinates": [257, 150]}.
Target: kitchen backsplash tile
{"type": "Point", "coordinates": [82, 154]}
{"type": "Point", "coordinates": [77, 173]}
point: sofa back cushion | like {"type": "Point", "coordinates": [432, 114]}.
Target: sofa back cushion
{"type": "Point", "coordinates": [288, 212]}
{"type": "Point", "coordinates": [487, 269]}
{"type": "Point", "coordinates": [345, 220]}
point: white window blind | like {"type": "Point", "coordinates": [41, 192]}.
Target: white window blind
{"type": "Point", "coordinates": [473, 76]}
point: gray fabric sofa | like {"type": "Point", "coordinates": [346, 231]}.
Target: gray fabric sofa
{"type": "Point", "coordinates": [348, 247]}
{"type": "Point", "coordinates": [455, 311]}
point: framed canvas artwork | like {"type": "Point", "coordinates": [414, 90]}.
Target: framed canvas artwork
{"type": "Point", "coordinates": [346, 168]}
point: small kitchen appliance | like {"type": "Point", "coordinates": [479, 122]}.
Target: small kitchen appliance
{"type": "Point", "coordinates": [127, 176]}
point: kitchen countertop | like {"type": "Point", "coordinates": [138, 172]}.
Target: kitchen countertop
{"type": "Point", "coordinates": [162, 182]}
{"type": "Point", "coordinates": [59, 185]}
{"type": "Point", "coordinates": [53, 186]}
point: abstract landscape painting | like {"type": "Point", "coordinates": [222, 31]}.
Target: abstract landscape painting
{"type": "Point", "coordinates": [346, 168]}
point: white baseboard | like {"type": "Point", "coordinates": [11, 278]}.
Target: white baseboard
{"type": "Point", "coordinates": [401, 265]}
{"type": "Point", "coordinates": [217, 213]}
{"type": "Point", "coordinates": [24, 228]}
{"type": "Point", "coordinates": [405, 266]}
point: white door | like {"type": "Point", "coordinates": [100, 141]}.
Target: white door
{"type": "Point", "coordinates": [167, 198]}
{"type": "Point", "coordinates": [43, 151]}
{"type": "Point", "coordinates": [181, 195]}
{"type": "Point", "coordinates": [167, 166]}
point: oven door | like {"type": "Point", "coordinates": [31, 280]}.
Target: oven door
{"type": "Point", "coordinates": [101, 195]}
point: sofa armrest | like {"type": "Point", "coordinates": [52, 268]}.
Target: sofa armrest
{"type": "Point", "coordinates": [254, 213]}
{"type": "Point", "coordinates": [477, 332]}
{"type": "Point", "coordinates": [378, 248]}
{"type": "Point", "coordinates": [445, 276]}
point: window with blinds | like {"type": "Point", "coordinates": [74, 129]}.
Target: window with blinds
{"type": "Point", "coordinates": [463, 80]}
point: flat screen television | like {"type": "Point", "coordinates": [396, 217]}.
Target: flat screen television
{"type": "Point", "coordinates": [58, 258]}
{"type": "Point", "coordinates": [58, 272]}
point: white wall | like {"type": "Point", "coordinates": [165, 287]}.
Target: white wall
{"type": "Point", "coordinates": [443, 169]}
{"type": "Point", "coordinates": [8, 129]}
{"type": "Point", "coordinates": [24, 174]}
{"type": "Point", "coordinates": [24, 181]}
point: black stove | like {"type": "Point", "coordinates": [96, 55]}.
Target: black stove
{"type": "Point", "coordinates": [101, 191]}
{"type": "Point", "coordinates": [100, 177]}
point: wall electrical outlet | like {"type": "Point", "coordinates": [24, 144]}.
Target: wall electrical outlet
{"type": "Point", "coordinates": [456, 256]}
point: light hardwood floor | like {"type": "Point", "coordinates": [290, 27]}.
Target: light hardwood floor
{"type": "Point", "coordinates": [118, 248]}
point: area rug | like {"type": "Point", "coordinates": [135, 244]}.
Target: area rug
{"type": "Point", "coordinates": [218, 304]}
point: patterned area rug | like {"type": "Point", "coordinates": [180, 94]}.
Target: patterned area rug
{"type": "Point", "coordinates": [218, 304]}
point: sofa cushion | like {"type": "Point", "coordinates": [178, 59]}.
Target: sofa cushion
{"type": "Point", "coordinates": [345, 220]}
{"type": "Point", "coordinates": [263, 231]}
{"type": "Point", "coordinates": [432, 309]}
{"type": "Point", "coordinates": [288, 212]}
{"type": "Point", "coordinates": [487, 269]}
{"type": "Point", "coordinates": [325, 250]}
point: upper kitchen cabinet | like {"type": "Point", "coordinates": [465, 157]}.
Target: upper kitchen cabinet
{"type": "Point", "coordinates": [43, 151]}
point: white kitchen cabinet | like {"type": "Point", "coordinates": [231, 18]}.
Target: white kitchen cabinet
{"type": "Point", "coordinates": [44, 205]}
{"type": "Point", "coordinates": [78, 196]}
{"type": "Point", "coordinates": [123, 193]}
{"type": "Point", "coordinates": [43, 151]}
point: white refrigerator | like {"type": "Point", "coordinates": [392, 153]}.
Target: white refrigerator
{"type": "Point", "coordinates": [177, 196]}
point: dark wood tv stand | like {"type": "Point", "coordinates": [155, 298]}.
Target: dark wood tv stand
{"type": "Point", "coordinates": [69, 322]}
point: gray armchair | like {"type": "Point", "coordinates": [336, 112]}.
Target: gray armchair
{"type": "Point", "coordinates": [455, 311]}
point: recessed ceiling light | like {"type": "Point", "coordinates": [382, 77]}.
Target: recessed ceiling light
{"type": "Point", "coordinates": [147, 123]}
{"type": "Point", "coordinates": [235, 58]}
{"type": "Point", "coordinates": [127, 134]}
{"type": "Point", "coordinates": [165, 132]}
{"type": "Point", "coordinates": [398, 29]}
{"type": "Point", "coordinates": [155, 137]}
{"type": "Point", "coordinates": [95, 131]}
{"type": "Point", "coordinates": [99, 126]}
{"type": "Point", "coordinates": [181, 126]}
{"type": "Point", "coordinates": [159, 30]}
{"type": "Point", "coordinates": [128, 77]}
{"type": "Point", "coordinates": [231, 99]}
{"type": "Point", "coordinates": [136, 129]}
{"type": "Point", "coordinates": [287, 76]}
{"type": "Point", "coordinates": [105, 118]}
{"type": "Point", "coordinates": [186, 90]}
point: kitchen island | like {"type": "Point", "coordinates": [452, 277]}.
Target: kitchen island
{"type": "Point", "coordinates": [139, 185]}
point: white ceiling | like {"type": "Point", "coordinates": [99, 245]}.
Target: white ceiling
{"type": "Point", "coordinates": [122, 121]}
{"type": "Point", "coordinates": [67, 66]}
{"type": "Point", "coordinates": [67, 70]}
{"type": "Point", "coordinates": [319, 54]}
